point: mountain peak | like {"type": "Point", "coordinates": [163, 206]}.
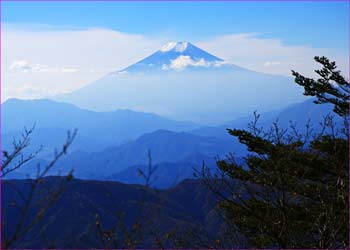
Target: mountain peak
{"type": "Point", "coordinates": [176, 46]}
{"type": "Point", "coordinates": [175, 56]}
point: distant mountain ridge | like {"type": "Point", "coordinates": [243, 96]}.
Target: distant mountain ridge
{"type": "Point", "coordinates": [164, 146]}
{"type": "Point", "coordinates": [176, 154]}
{"type": "Point", "coordinates": [96, 130]}
{"type": "Point", "coordinates": [298, 113]}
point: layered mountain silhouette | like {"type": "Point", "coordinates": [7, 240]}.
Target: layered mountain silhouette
{"type": "Point", "coordinates": [98, 153]}
{"type": "Point", "coordinates": [297, 114]}
{"type": "Point", "coordinates": [165, 147]}
{"type": "Point", "coordinates": [96, 130]}
{"type": "Point", "coordinates": [71, 221]}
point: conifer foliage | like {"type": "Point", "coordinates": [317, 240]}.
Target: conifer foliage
{"type": "Point", "coordinates": [295, 191]}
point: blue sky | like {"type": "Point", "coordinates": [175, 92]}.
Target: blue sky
{"type": "Point", "coordinates": [54, 47]}
{"type": "Point", "coordinates": [316, 24]}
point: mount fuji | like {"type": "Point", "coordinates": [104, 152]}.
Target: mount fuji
{"type": "Point", "coordinates": [177, 56]}
{"type": "Point", "coordinates": [181, 81]}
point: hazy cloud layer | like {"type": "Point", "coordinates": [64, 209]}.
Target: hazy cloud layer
{"type": "Point", "coordinates": [271, 55]}
{"type": "Point", "coordinates": [62, 61]}
{"type": "Point", "coordinates": [41, 63]}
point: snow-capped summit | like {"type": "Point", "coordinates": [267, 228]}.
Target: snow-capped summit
{"type": "Point", "coordinates": [177, 46]}
{"type": "Point", "coordinates": [176, 56]}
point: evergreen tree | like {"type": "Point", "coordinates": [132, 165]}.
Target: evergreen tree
{"type": "Point", "coordinates": [293, 190]}
{"type": "Point", "coordinates": [330, 88]}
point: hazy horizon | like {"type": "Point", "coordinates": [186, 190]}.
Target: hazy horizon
{"type": "Point", "coordinates": [55, 48]}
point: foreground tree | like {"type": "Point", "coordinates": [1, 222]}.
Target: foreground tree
{"type": "Point", "coordinates": [26, 201]}
{"type": "Point", "coordinates": [293, 187]}
{"type": "Point", "coordinates": [330, 88]}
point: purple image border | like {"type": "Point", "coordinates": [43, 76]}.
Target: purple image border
{"type": "Point", "coordinates": [251, 1]}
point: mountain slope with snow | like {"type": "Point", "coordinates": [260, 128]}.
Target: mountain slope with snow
{"type": "Point", "coordinates": [175, 56]}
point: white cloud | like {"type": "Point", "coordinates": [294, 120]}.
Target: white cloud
{"type": "Point", "coordinates": [273, 64]}
{"type": "Point", "coordinates": [24, 67]}
{"type": "Point", "coordinates": [29, 91]}
{"type": "Point", "coordinates": [181, 62]}
{"type": "Point", "coordinates": [269, 64]}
